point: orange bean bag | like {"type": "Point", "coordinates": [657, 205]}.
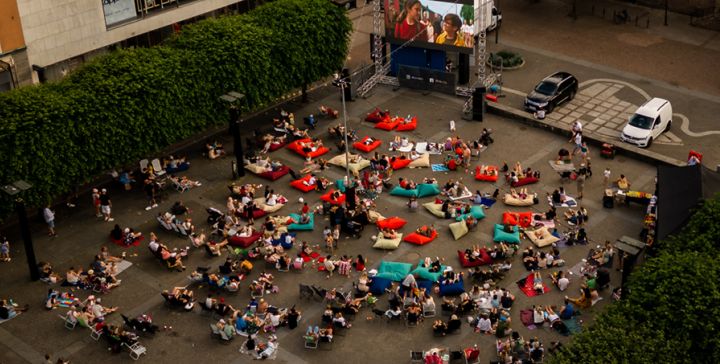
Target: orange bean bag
{"type": "Point", "coordinates": [391, 223]}
{"type": "Point", "coordinates": [412, 125]}
{"type": "Point", "coordinates": [524, 181]}
{"type": "Point", "coordinates": [487, 177]}
{"type": "Point", "coordinates": [418, 239]}
{"type": "Point", "coordinates": [695, 154]}
{"type": "Point", "coordinates": [326, 197]}
{"type": "Point", "coordinates": [300, 184]}
{"type": "Point", "coordinates": [388, 124]}
{"type": "Point", "coordinates": [295, 147]}
{"type": "Point", "coordinates": [376, 116]}
{"type": "Point", "coordinates": [400, 163]}
{"type": "Point", "coordinates": [522, 219]}
{"type": "Point", "coordinates": [361, 146]}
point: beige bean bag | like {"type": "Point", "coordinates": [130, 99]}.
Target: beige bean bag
{"type": "Point", "coordinates": [513, 201]}
{"type": "Point", "coordinates": [422, 162]}
{"type": "Point", "coordinates": [254, 168]}
{"type": "Point", "coordinates": [435, 209]}
{"type": "Point", "coordinates": [388, 244]}
{"type": "Point", "coordinates": [374, 216]}
{"type": "Point", "coordinates": [459, 229]}
{"type": "Point", "coordinates": [260, 202]}
{"type": "Point", "coordinates": [541, 237]}
{"type": "Point", "coordinates": [355, 168]}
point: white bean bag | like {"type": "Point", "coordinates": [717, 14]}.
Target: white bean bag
{"type": "Point", "coordinates": [374, 216]}
{"type": "Point", "coordinates": [544, 239]}
{"type": "Point", "coordinates": [459, 229]}
{"type": "Point", "coordinates": [435, 209]}
{"type": "Point", "coordinates": [355, 168]}
{"type": "Point", "coordinates": [255, 169]}
{"type": "Point", "coordinates": [388, 244]}
{"type": "Point", "coordinates": [514, 201]}
{"type": "Point", "coordinates": [260, 202]}
{"type": "Point", "coordinates": [422, 162]}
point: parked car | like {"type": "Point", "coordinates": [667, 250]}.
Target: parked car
{"type": "Point", "coordinates": [495, 20]}
{"type": "Point", "coordinates": [347, 4]}
{"type": "Point", "coordinates": [551, 92]}
{"type": "Point", "coordinates": [647, 123]}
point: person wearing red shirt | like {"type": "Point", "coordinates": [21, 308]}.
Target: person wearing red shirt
{"type": "Point", "coordinates": [410, 27]}
{"type": "Point", "coordinates": [305, 208]}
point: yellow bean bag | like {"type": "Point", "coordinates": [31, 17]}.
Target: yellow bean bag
{"type": "Point", "coordinates": [422, 162]}
{"type": "Point", "coordinates": [514, 201]}
{"type": "Point", "coordinates": [459, 229]}
{"type": "Point", "coordinates": [260, 202]}
{"type": "Point", "coordinates": [374, 216]}
{"type": "Point", "coordinates": [355, 168]}
{"type": "Point", "coordinates": [435, 209]}
{"type": "Point", "coordinates": [388, 244]}
{"type": "Point", "coordinates": [541, 237]}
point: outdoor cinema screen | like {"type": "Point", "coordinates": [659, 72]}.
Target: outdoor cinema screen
{"type": "Point", "coordinates": [443, 24]}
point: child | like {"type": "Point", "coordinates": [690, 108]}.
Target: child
{"type": "Point", "coordinates": [452, 125]}
{"type": "Point", "coordinates": [4, 250]}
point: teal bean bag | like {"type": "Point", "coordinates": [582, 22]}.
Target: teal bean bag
{"type": "Point", "coordinates": [476, 211]}
{"type": "Point", "coordinates": [427, 189]}
{"type": "Point", "coordinates": [399, 191]}
{"type": "Point", "coordinates": [505, 237]}
{"type": "Point", "coordinates": [395, 271]}
{"type": "Point", "coordinates": [426, 274]}
{"type": "Point", "coordinates": [340, 185]}
{"type": "Point", "coordinates": [302, 227]}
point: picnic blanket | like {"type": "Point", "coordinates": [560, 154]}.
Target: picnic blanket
{"type": "Point", "coordinates": [122, 265]}
{"type": "Point", "coordinates": [439, 168]}
{"type": "Point", "coordinates": [569, 202]}
{"type": "Point", "coordinates": [527, 286]}
{"type": "Point", "coordinates": [526, 317]}
{"type": "Point", "coordinates": [573, 326]}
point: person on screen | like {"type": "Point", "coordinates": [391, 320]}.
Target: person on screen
{"type": "Point", "coordinates": [450, 36]}
{"type": "Point", "coordinates": [409, 26]}
{"type": "Point", "coordinates": [426, 22]}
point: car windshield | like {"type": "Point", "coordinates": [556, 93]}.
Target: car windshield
{"type": "Point", "coordinates": [546, 88]}
{"type": "Point", "coordinates": [640, 121]}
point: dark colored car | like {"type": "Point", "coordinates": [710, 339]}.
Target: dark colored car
{"type": "Point", "coordinates": [551, 92]}
{"type": "Point", "coordinates": [347, 4]}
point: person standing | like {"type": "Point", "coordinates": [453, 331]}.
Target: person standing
{"type": "Point", "coordinates": [4, 249]}
{"type": "Point", "coordinates": [582, 172]}
{"type": "Point", "coordinates": [606, 177]}
{"type": "Point", "coordinates": [49, 216]}
{"type": "Point", "coordinates": [577, 138]}
{"type": "Point", "coordinates": [96, 201]}
{"type": "Point", "coordinates": [106, 205]}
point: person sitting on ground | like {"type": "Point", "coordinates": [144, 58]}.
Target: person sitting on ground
{"type": "Point", "coordinates": [426, 231]}
{"type": "Point", "coordinates": [623, 183]}
{"type": "Point", "coordinates": [47, 274]}
{"type": "Point", "coordinates": [388, 233]}
{"type": "Point", "coordinates": [215, 150]}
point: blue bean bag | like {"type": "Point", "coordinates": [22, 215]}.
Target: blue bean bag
{"type": "Point", "coordinates": [302, 227]}
{"type": "Point", "coordinates": [424, 273]}
{"type": "Point", "coordinates": [505, 237]}
{"type": "Point", "coordinates": [403, 192]}
{"type": "Point", "coordinates": [379, 285]}
{"type": "Point", "coordinates": [394, 271]}
{"type": "Point", "coordinates": [340, 185]}
{"type": "Point", "coordinates": [281, 241]}
{"type": "Point", "coordinates": [476, 211]}
{"type": "Point", "coordinates": [454, 289]}
{"type": "Point", "coordinates": [427, 189]}
{"type": "Point", "coordinates": [421, 283]}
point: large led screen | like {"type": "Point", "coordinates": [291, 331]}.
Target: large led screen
{"type": "Point", "coordinates": [443, 24]}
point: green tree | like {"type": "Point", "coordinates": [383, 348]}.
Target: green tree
{"type": "Point", "coordinates": [467, 12]}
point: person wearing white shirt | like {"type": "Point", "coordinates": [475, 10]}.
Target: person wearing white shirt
{"type": "Point", "coordinates": [563, 283]}
{"type": "Point", "coordinates": [484, 325]}
{"type": "Point", "coordinates": [272, 200]}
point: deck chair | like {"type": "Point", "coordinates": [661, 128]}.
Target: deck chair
{"type": "Point", "coordinates": [157, 167]}
{"type": "Point", "coordinates": [311, 342]}
{"type": "Point", "coordinates": [179, 186]}
{"type": "Point", "coordinates": [95, 333]}
{"type": "Point", "coordinates": [143, 165]}
{"type": "Point", "coordinates": [136, 350]}
{"type": "Point", "coordinates": [306, 291]}
{"type": "Point", "coordinates": [69, 322]}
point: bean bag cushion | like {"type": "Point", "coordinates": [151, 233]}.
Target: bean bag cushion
{"type": "Point", "coordinates": [255, 169]}
{"type": "Point", "coordinates": [375, 216]}
{"type": "Point", "coordinates": [301, 227]}
{"type": "Point", "coordinates": [388, 124]}
{"type": "Point", "coordinates": [403, 192]}
{"type": "Point", "coordinates": [425, 273]}
{"type": "Point", "coordinates": [514, 201]}
{"type": "Point", "coordinates": [295, 147]}
{"type": "Point", "coordinates": [246, 241]}
{"type": "Point", "coordinates": [391, 223]}
{"type": "Point", "coordinates": [340, 185]}
{"type": "Point", "coordinates": [281, 241]}
{"type": "Point", "coordinates": [476, 211]}
{"type": "Point", "coordinates": [355, 168]}
{"type": "Point", "coordinates": [400, 163]}
{"type": "Point", "coordinates": [412, 125]}
{"type": "Point", "coordinates": [695, 154]}
{"type": "Point", "coordinates": [378, 285]}
{"type": "Point", "coordinates": [487, 177]}
{"type": "Point", "coordinates": [422, 162]}
{"type": "Point", "coordinates": [394, 271]}
{"type": "Point", "coordinates": [276, 174]}
{"type": "Point", "coordinates": [388, 244]}
{"type": "Point", "coordinates": [427, 189]}
{"type": "Point", "coordinates": [525, 181]}
{"type": "Point", "coordinates": [300, 184]}
{"type": "Point", "coordinates": [483, 259]}
{"type": "Point", "coordinates": [501, 236]}
{"type": "Point", "coordinates": [459, 229]}
{"type": "Point", "coordinates": [257, 213]}
{"type": "Point", "coordinates": [418, 239]}
{"type": "Point", "coordinates": [275, 146]}
{"type": "Point", "coordinates": [376, 116]}
{"type": "Point", "coordinates": [339, 201]}
{"type": "Point", "coordinates": [361, 146]}
{"type": "Point", "coordinates": [435, 209]}
{"type": "Point", "coordinates": [454, 289]}
{"type": "Point", "coordinates": [260, 202]}
{"type": "Point", "coordinates": [541, 237]}
{"type": "Point", "coordinates": [522, 219]}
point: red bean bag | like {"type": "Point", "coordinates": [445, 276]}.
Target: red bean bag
{"type": "Point", "coordinates": [273, 175]}
{"type": "Point", "coordinates": [376, 116]}
{"type": "Point", "coordinates": [388, 124]}
{"type": "Point", "coordinates": [412, 125]}
{"type": "Point", "coordinates": [487, 177]}
{"type": "Point", "coordinates": [524, 181]}
{"type": "Point", "coordinates": [295, 147]}
{"type": "Point", "coordinates": [400, 163]}
{"type": "Point", "coordinates": [483, 259]}
{"type": "Point", "coordinates": [276, 146]}
{"type": "Point", "coordinates": [415, 238]}
{"type": "Point", "coordinates": [339, 201]}
{"type": "Point", "coordinates": [244, 242]}
{"type": "Point", "coordinates": [391, 223]}
{"type": "Point", "coordinates": [257, 213]}
{"type": "Point", "coordinates": [523, 219]}
{"type": "Point", "coordinates": [361, 146]}
{"type": "Point", "coordinates": [695, 154]}
{"type": "Point", "coordinates": [300, 184]}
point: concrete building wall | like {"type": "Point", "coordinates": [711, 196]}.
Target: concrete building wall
{"type": "Point", "coordinates": [57, 30]}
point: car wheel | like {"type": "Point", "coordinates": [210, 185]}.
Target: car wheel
{"type": "Point", "coordinates": [649, 142]}
{"type": "Point", "coordinates": [667, 128]}
{"type": "Point", "coordinates": [550, 108]}
{"type": "Point", "coordinates": [572, 95]}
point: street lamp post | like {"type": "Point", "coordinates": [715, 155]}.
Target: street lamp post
{"type": "Point", "coordinates": [13, 190]}
{"type": "Point", "coordinates": [342, 83]}
{"type": "Point", "coordinates": [232, 99]}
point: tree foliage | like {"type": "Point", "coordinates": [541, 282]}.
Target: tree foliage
{"type": "Point", "coordinates": [130, 103]}
{"type": "Point", "coordinates": [671, 314]}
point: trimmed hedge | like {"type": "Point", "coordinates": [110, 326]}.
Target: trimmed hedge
{"type": "Point", "coordinates": [123, 106]}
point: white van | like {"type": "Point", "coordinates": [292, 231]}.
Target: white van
{"type": "Point", "coordinates": [649, 121]}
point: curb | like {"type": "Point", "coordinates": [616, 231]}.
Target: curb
{"type": "Point", "coordinates": [592, 138]}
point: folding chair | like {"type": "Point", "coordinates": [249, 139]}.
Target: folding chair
{"type": "Point", "coordinates": [417, 357]}
{"type": "Point", "coordinates": [143, 165]}
{"type": "Point", "coordinates": [311, 343]}
{"type": "Point", "coordinates": [136, 350]}
{"type": "Point", "coordinates": [179, 186]}
{"type": "Point", "coordinates": [428, 311]}
{"type": "Point", "coordinates": [157, 167]}
{"type": "Point", "coordinates": [69, 323]}
{"type": "Point", "coordinates": [95, 333]}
